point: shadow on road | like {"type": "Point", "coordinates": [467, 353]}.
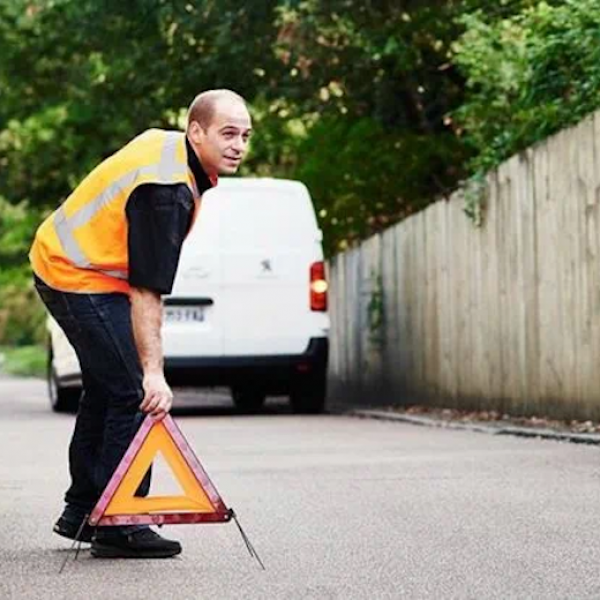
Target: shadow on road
{"type": "Point", "coordinates": [218, 411]}
{"type": "Point", "coordinates": [217, 402]}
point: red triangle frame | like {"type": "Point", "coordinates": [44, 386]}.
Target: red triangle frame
{"type": "Point", "coordinates": [220, 515]}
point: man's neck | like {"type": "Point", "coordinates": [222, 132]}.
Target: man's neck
{"type": "Point", "coordinates": [204, 181]}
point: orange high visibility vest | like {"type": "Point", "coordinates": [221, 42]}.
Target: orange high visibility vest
{"type": "Point", "coordinates": [82, 246]}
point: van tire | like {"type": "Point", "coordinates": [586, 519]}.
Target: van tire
{"type": "Point", "coordinates": [62, 399]}
{"type": "Point", "coordinates": [247, 400]}
{"type": "Point", "coordinates": [308, 396]}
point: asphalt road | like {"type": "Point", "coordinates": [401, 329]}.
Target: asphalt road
{"type": "Point", "coordinates": [337, 507]}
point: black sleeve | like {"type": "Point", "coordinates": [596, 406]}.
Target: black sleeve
{"type": "Point", "coordinates": [159, 216]}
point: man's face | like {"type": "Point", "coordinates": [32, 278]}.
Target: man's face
{"type": "Point", "coordinates": [223, 145]}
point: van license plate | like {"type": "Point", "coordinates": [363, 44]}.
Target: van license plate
{"type": "Point", "coordinates": [184, 314]}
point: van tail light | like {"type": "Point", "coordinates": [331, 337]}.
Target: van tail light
{"type": "Point", "coordinates": [318, 287]}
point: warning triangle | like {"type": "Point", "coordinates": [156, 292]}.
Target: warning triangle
{"type": "Point", "coordinates": [199, 502]}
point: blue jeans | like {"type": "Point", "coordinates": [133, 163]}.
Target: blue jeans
{"type": "Point", "coordinates": [99, 328]}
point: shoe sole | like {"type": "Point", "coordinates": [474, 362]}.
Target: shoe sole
{"type": "Point", "coordinates": [71, 536]}
{"type": "Point", "coordinates": [102, 551]}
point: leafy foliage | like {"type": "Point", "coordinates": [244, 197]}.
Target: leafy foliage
{"type": "Point", "coordinates": [28, 361]}
{"type": "Point", "coordinates": [375, 81]}
{"type": "Point", "coordinates": [364, 177]}
{"type": "Point", "coordinates": [21, 312]}
{"type": "Point", "coordinates": [527, 76]}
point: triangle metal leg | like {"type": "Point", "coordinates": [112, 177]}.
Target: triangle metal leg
{"type": "Point", "coordinates": [247, 541]}
{"type": "Point", "coordinates": [75, 541]}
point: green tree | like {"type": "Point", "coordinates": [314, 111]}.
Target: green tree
{"type": "Point", "coordinates": [374, 84]}
{"type": "Point", "coordinates": [527, 76]}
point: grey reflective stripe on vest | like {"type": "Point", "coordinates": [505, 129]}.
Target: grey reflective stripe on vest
{"type": "Point", "coordinates": [169, 165]}
{"type": "Point", "coordinates": [168, 169]}
{"type": "Point", "coordinates": [69, 243]}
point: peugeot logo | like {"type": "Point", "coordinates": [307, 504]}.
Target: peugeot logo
{"type": "Point", "coordinates": [266, 266]}
{"type": "Point", "coordinates": [196, 273]}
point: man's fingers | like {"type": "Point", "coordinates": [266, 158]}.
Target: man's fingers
{"type": "Point", "coordinates": [164, 404]}
{"type": "Point", "coordinates": [150, 402]}
{"type": "Point", "coordinates": [156, 404]}
{"type": "Point", "coordinates": [145, 402]}
{"type": "Point", "coordinates": [157, 395]}
{"type": "Point", "coordinates": [159, 414]}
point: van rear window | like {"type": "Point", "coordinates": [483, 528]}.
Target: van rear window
{"type": "Point", "coordinates": [259, 217]}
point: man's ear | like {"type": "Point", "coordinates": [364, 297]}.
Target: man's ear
{"type": "Point", "coordinates": [195, 133]}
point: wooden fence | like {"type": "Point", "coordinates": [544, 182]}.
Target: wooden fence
{"type": "Point", "coordinates": [505, 316]}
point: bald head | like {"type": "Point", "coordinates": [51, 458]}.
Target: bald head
{"type": "Point", "coordinates": [205, 105]}
{"type": "Point", "coordinates": [218, 129]}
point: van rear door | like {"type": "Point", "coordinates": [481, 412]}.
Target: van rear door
{"type": "Point", "coordinates": [268, 239]}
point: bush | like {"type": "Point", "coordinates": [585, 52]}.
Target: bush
{"type": "Point", "coordinates": [29, 361]}
{"type": "Point", "coordinates": [364, 177]}
{"type": "Point", "coordinates": [21, 311]}
{"type": "Point", "coordinates": [527, 76]}
{"type": "Point", "coordinates": [22, 314]}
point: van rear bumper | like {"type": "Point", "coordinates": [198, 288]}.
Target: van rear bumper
{"type": "Point", "coordinates": [276, 373]}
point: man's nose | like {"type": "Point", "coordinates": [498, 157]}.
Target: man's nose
{"type": "Point", "coordinates": [239, 144]}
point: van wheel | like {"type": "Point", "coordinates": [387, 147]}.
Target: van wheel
{"type": "Point", "coordinates": [308, 396]}
{"type": "Point", "coordinates": [62, 399]}
{"type": "Point", "coordinates": [248, 400]}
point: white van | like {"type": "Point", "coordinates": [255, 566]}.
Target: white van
{"type": "Point", "coordinates": [249, 304]}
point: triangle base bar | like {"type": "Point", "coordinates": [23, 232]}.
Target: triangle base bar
{"type": "Point", "coordinates": [166, 519]}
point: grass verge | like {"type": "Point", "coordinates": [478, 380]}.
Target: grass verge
{"type": "Point", "coordinates": [28, 361]}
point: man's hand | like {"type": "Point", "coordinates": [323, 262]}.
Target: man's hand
{"type": "Point", "coordinates": [158, 397]}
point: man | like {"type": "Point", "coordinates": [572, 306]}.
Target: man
{"type": "Point", "coordinates": [101, 262]}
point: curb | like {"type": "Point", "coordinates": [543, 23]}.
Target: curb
{"type": "Point", "coordinates": [528, 432]}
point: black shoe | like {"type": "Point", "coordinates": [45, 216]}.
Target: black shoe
{"type": "Point", "coordinates": [68, 529]}
{"type": "Point", "coordinates": [144, 543]}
